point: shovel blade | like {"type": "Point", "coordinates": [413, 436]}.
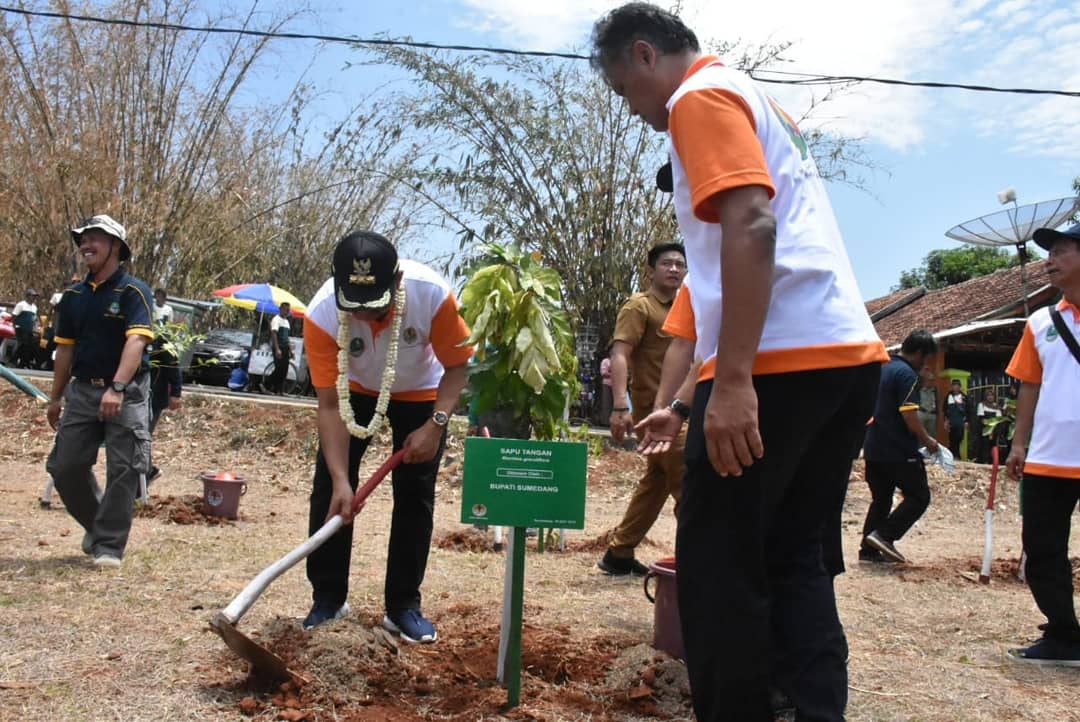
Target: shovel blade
{"type": "Point", "coordinates": [265, 664]}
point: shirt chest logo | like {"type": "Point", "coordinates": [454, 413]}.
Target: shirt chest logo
{"type": "Point", "coordinates": [1052, 334]}
{"type": "Point", "coordinates": [114, 309]}
{"type": "Point", "coordinates": [410, 336]}
{"type": "Point", "coordinates": [356, 346]}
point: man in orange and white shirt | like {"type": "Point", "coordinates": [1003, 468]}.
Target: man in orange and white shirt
{"type": "Point", "coordinates": [429, 375]}
{"type": "Point", "coordinates": [1046, 448]}
{"type": "Point", "coordinates": [791, 368]}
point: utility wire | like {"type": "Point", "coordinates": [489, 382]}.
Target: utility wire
{"type": "Point", "coordinates": [795, 79]}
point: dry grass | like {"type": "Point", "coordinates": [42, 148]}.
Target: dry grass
{"type": "Point", "coordinates": [83, 644]}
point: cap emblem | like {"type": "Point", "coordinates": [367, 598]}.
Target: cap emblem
{"type": "Point", "coordinates": [361, 275]}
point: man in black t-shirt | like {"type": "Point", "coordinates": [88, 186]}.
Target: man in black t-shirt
{"type": "Point", "coordinates": [892, 454]}
{"type": "Point", "coordinates": [101, 391]}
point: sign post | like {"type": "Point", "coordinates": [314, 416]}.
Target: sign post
{"type": "Point", "coordinates": [521, 484]}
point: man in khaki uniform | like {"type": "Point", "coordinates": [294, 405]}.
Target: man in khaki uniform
{"type": "Point", "coordinates": [637, 350]}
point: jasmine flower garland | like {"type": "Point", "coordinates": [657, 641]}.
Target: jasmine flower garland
{"type": "Point", "coordinates": [344, 407]}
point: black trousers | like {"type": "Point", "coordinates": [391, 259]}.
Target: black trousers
{"type": "Point", "coordinates": [884, 478]}
{"type": "Point", "coordinates": [159, 396]}
{"type": "Point", "coordinates": [276, 382]}
{"type": "Point", "coordinates": [1049, 503]}
{"type": "Point", "coordinates": [956, 438]}
{"type": "Point", "coordinates": [410, 523]}
{"type": "Point", "coordinates": [25, 350]}
{"type": "Point", "coordinates": [756, 604]}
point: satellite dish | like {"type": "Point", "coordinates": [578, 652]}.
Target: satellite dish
{"type": "Point", "coordinates": [1015, 226]}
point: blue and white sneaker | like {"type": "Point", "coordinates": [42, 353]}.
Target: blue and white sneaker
{"type": "Point", "coordinates": [411, 625]}
{"type": "Point", "coordinates": [324, 612]}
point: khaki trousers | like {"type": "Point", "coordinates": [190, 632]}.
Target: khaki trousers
{"type": "Point", "coordinates": [663, 478]}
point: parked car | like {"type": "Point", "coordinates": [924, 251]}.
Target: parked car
{"type": "Point", "coordinates": [214, 358]}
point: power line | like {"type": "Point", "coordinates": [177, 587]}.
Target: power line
{"type": "Point", "coordinates": [795, 79]}
{"type": "Point", "coordinates": [807, 79]}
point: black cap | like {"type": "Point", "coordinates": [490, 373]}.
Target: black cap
{"type": "Point", "coordinates": [365, 269]}
{"type": "Point", "coordinates": [1047, 237]}
{"type": "Point", "coordinates": [664, 181]}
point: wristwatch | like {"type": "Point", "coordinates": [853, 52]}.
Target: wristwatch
{"type": "Point", "coordinates": [441, 418]}
{"type": "Point", "coordinates": [680, 408]}
{"type": "Point", "coordinates": [119, 386]}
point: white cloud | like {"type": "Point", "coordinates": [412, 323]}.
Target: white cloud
{"type": "Point", "coordinates": [993, 42]}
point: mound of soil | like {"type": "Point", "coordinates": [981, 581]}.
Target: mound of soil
{"type": "Point", "coordinates": [465, 540]}
{"type": "Point", "coordinates": [349, 670]}
{"type": "Point", "coordinates": [186, 509]}
{"type": "Point", "coordinates": [652, 682]}
{"type": "Point", "coordinates": [601, 542]}
{"type": "Point", "coordinates": [1002, 571]}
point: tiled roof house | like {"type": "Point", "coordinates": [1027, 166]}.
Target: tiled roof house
{"type": "Point", "coordinates": [974, 303]}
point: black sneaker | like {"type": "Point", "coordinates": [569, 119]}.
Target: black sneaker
{"type": "Point", "coordinates": [875, 540]}
{"type": "Point", "coordinates": [1049, 653]}
{"type": "Point", "coordinates": [873, 556]}
{"type": "Point", "coordinates": [618, 567]}
{"type": "Point", "coordinates": [324, 612]}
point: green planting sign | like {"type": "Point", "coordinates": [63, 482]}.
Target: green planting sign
{"type": "Point", "coordinates": [510, 482]}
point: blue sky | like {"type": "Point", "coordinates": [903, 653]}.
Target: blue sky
{"type": "Point", "coordinates": [944, 153]}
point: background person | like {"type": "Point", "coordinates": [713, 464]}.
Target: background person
{"type": "Point", "coordinates": [384, 342]}
{"type": "Point", "coordinates": [988, 408]}
{"type": "Point", "coordinates": [25, 318]}
{"type": "Point", "coordinates": [956, 416]}
{"type": "Point", "coordinates": [163, 312]}
{"type": "Point", "coordinates": [637, 353]}
{"type": "Point", "coordinates": [891, 450]}
{"type": "Point", "coordinates": [279, 343]}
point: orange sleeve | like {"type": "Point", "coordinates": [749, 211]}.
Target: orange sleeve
{"type": "Point", "coordinates": [715, 136]}
{"type": "Point", "coordinates": [680, 319]}
{"type": "Point", "coordinates": [1026, 364]}
{"type": "Point", "coordinates": [321, 349]}
{"type": "Point", "coordinates": [448, 329]}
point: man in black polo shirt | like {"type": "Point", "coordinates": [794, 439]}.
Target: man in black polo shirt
{"type": "Point", "coordinates": [892, 454]}
{"type": "Point", "coordinates": [105, 326]}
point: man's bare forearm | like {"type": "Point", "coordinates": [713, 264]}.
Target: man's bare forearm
{"type": "Point", "coordinates": [674, 373]}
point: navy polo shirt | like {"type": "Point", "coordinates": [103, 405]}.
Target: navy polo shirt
{"type": "Point", "coordinates": [98, 319]}
{"type": "Point", "coordinates": [888, 438]}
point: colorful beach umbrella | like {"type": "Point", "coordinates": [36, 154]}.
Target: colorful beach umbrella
{"type": "Point", "coordinates": [260, 297]}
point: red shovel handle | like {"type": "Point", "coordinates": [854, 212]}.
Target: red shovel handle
{"type": "Point", "coordinates": [369, 486]}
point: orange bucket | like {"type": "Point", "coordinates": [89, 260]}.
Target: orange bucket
{"type": "Point", "coordinates": [221, 493]}
{"type": "Point", "coordinates": [667, 629]}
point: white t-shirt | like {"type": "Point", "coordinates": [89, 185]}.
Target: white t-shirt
{"type": "Point", "coordinates": [163, 314]}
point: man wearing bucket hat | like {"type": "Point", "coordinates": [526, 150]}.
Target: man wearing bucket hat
{"type": "Point", "coordinates": [1045, 450]}
{"type": "Point", "coordinates": [104, 328]}
{"type": "Point", "coordinates": [384, 341]}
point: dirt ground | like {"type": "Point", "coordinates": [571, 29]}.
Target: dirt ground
{"type": "Point", "coordinates": [133, 644]}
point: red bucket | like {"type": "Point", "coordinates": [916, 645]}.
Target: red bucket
{"type": "Point", "coordinates": [667, 632]}
{"type": "Point", "coordinates": [221, 493]}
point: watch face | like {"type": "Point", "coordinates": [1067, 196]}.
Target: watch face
{"type": "Point", "coordinates": [441, 418]}
{"type": "Point", "coordinates": [118, 387]}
